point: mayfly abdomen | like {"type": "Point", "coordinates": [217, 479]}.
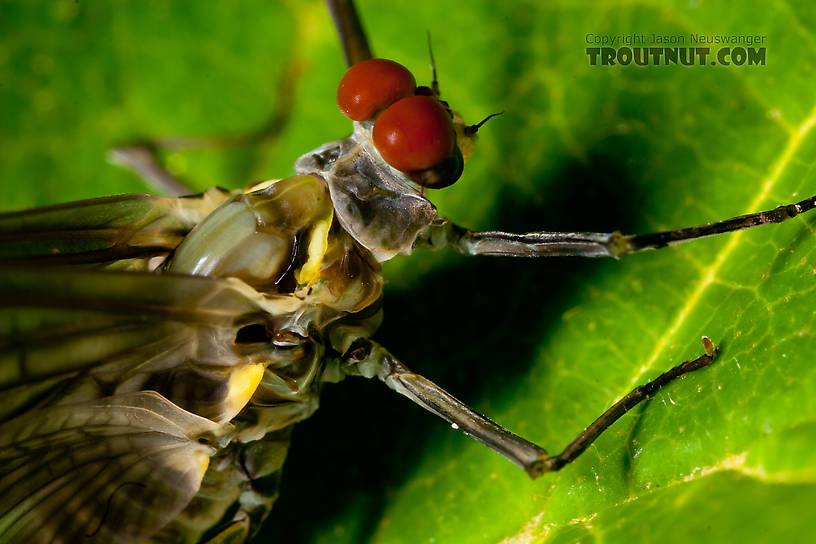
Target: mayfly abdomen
{"type": "Point", "coordinates": [244, 475]}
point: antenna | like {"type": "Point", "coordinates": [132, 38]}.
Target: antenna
{"type": "Point", "coordinates": [434, 83]}
{"type": "Point", "coordinates": [471, 129]}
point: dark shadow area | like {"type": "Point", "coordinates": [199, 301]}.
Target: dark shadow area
{"type": "Point", "coordinates": [472, 326]}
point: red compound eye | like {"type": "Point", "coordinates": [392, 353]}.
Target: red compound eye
{"type": "Point", "coordinates": [414, 133]}
{"type": "Point", "coordinates": [372, 85]}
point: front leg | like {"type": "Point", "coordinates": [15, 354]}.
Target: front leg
{"type": "Point", "coordinates": [593, 244]}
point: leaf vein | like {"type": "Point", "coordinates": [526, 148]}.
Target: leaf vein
{"type": "Point", "coordinates": [709, 273]}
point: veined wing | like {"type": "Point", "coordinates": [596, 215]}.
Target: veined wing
{"type": "Point", "coordinates": [128, 229]}
{"type": "Point", "coordinates": [112, 470]}
{"type": "Point", "coordinates": [86, 333]}
{"type": "Point", "coordinates": [85, 452]}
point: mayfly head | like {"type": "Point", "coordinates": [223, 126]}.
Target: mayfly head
{"type": "Point", "coordinates": [413, 130]}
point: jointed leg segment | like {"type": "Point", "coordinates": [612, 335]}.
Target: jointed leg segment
{"type": "Point", "coordinates": [611, 244]}
{"type": "Point", "coordinates": [369, 359]}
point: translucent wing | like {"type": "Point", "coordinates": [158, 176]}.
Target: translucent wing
{"type": "Point", "coordinates": [129, 229]}
{"type": "Point", "coordinates": [74, 334]}
{"type": "Point", "coordinates": [111, 470]}
{"type": "Point", "coordinates": [85, 329]}
{"type": "Point", "coordinates": [85, 453]}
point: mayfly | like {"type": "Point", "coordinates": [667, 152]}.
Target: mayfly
{"type": "Point", "coordinates": [156, 351]}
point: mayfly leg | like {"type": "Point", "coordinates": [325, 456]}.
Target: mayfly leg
{"type": "Point", "coordinates": [143, 159]}
{"type": "Point", "coordinates": [597, 244]}
{"type": "Point", "coordinates": [350, 31]}
{"type": "Point", "coordinates": [369, 359]}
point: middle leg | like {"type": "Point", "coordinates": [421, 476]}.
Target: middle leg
{"type": "Point", "coordinates": [369, 359]}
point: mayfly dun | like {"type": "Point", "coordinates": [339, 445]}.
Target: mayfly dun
{"type": "Point", "coordinates": [156, 351]}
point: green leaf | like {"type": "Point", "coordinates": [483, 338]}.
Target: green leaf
{"type": "Point", "coordinates": [542, 347]}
